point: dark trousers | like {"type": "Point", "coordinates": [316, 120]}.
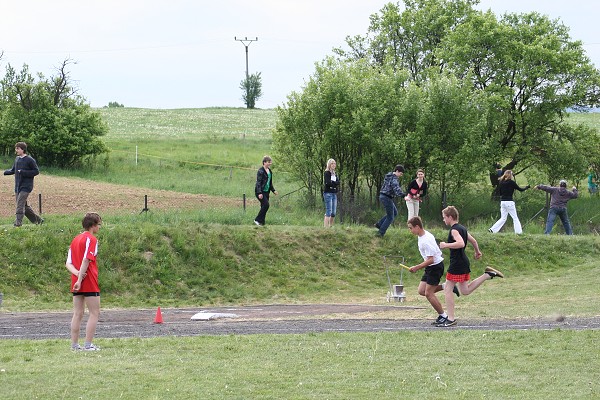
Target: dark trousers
{"type": "Point", "coordinates": [264, 207]}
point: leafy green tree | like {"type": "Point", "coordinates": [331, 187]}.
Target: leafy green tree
{"type": "Point", "coordinates": [370, 119]}
{"type": "Point", "coordinates": [251, 89]}
{"type": "Point", "coordinates": [60, 128]}
{"type": "Point", "coordinates": [444, 87]}
{"type": "Point", "coordinates": [345, 112]}
{"type": "Point", "coordinates": [447, 141]}
{"type": "Point", "coordinates": [408, 39]}
{"type": "Point", "coordinates": [532, 73]}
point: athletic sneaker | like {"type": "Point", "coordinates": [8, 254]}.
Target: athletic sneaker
{"type": "Point", "coordinates": [455, 291]}
{"type": "Point", "coordinates": [439, 320]}
{"type": "Point", "coordinates": [91, 347]}
{"type": "Point", "coordinates": [76, 348]}
{"type": "Point", "coordinates": [493, 272]}
{"type": "Point", "coordinates": [377, 225]}
{"type": "Point", "coordinates": [257, 223]}
{"type": "Point", "coordinates": [446, 324]}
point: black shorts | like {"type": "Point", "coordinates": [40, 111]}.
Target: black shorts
{"type": "Point", "coordinates": [87, 294]}
{"type": "Point", "coordinates": [433, 274]}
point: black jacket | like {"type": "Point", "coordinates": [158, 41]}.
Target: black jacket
{"type": "Point", "coordinates": [413, 188]}
{"type": "Point", "coordinates": [24, 169]}
{"type": "Point", "coordinates": [331, 186]}
{"type": "Point", "coordinates": [261, 181]}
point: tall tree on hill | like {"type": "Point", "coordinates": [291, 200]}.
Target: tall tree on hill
{"type": "Point", "coordinates": [464, 90]}
{"type": "Point", "coordinates": [528, 67]}
{"type": "Point", "coordinates": [251, 89]}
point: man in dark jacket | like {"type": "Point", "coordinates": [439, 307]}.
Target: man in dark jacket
{"type": "Point", "coordinates": [24, 169]}
{"type": "Point", "coordinates": [389, 190]}
{"type": "Point", "coordinates": [559, 196]}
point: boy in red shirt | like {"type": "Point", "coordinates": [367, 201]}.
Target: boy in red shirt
{"type": "Point", "coordinates": [81, 262]}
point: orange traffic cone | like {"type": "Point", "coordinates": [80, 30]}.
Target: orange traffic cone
{"type": "Point", "coordinates": [158, 319]}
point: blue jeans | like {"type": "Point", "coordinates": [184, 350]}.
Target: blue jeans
{"type": "Point", "coordinates": [330, 204]}
{"type": "Point", "coordinates": [564, 217]}
{"type": "Point", "coordinates": [390, 213]}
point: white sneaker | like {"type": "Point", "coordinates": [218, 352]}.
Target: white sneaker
{"type": "Point", "coordinates": [76, 348]}
{"type": "Point", "coordinates": [92, 347]}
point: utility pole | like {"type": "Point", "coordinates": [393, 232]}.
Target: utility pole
{"type": "Point", "coordinates": [246, 42]}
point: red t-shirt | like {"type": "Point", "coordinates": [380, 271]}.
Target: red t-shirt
{"type": "Point", "coordinates": [85, 245]}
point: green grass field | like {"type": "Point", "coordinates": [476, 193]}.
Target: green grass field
{"type": "Point", "coordinates": [212, 151]}
{"type": "Point", "coordinates": [217, 258]}
{"type": "Point", "coordinates": [408, 365]}
{"type": "Point", "coordinates": [195, 264]}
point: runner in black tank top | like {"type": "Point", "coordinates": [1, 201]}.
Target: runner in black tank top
{"type": "Point", "coordinates": [459, 270]}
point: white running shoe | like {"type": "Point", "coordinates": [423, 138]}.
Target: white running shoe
{"type": "Point", "coordinates": [91, 347]}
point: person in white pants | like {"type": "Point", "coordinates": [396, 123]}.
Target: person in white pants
{"type": "Point", "coordinates": [507, 205]}
{"type": "Point", "coordinates": [417, 189]}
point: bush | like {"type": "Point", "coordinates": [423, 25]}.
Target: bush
{"type": "Point", "coordinates": [59, 127]}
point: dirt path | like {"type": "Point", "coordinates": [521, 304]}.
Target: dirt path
{"type": "Point", "coordinates": [68, 196]}
{"type": "Point", "coordinates": [274, 319]}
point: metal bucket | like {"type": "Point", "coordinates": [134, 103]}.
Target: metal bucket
{"type": "Point", "coordinates": [398, 290]}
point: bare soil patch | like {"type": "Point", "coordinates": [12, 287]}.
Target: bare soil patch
{"type": "Point", "coordinates": [64, 196]}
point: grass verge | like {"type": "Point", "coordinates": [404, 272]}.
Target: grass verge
{"type": "Point", "coordinates": [432, 365]}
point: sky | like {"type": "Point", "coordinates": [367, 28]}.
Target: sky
{"type": "Point", "coordinates": [182, 53]}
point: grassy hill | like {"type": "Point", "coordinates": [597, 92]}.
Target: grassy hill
{"type": "Point", "coordinates": [151, 261]}
{"type": "Point", "coordinates": [218, 257]}
{"type": "Point", "coordinates": [210, 257]}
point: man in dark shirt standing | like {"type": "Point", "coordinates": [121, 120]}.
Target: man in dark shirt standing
{"type": "Point", "coordinates": [559, 196]}
{"type": "Point", "coordinates": [24, 169]}
{"type": "Point", "coordinates": [389, 190]}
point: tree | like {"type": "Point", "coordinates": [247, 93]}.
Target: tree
{"type": "Point", "coordinates": [251, 89]}
{"type": "Point", "coordinates": [369, 119]}
{"type": "Point", "coordinates": [59, 127]}
{"type": "Point", "coordinates": [444, 87]}
{"type": "Point", "coordinates": [529, 68]}
{"type": "Point", "coordinates": [448, 139]}
{"type": "Point", "coordinates": [344, 112]}
{"type": "Point", "coordinates": [409, 39]}
{"type": "Point", "coordinates": [532, 73]}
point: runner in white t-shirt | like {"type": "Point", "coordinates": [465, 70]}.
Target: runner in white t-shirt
{"type": "Point", "coordinates": [433, 263]}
